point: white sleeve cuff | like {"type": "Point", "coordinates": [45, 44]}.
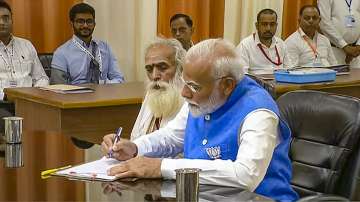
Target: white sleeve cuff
{"type": "Point", "coordinates": [141, 147]}
{"type": "Point", "coordinates": [168, 167]}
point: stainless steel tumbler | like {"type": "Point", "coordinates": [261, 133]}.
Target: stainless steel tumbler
{"type": "Point", "coordinates": [13, 129]}
{"type": "Point", "coordinates": [187, 184]}
{"type": "Point", "coordinates": [14, 155]}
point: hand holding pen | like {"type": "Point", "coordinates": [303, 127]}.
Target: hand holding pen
{"type": "Point", "coordinates": [116, 139]}
{"type": "Point", "coordinates": [122, 149]}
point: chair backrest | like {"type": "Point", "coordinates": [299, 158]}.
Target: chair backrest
{"type": "Point", "coordinates": [45, 59]}
{"type": "Point", "coordinates": [324, 149]}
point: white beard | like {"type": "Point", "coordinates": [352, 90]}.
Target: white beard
{"type": "Point", "coordinates": [164, 99]}
{"type": "Point", "coordinates": [214, 102]}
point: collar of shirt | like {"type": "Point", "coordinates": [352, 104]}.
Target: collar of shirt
{"type": "Point", "coordinates": [83, 43]}
{"type": "Point", "coordinates": [302, 34]}
{"type": "Point", "coordinates": [257, 41]}
{"type": "Point", "coordinates": [12, 41]}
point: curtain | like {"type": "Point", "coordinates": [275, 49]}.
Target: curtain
{"type": "Point", "coordinates": [44, 22]}
{"type": "Point", "coordinates": [207, 16]}
{"type": "Point", "coordinates": [240, 17]}
{"type": "Point", "coordinates": [291, 15]}
{"type": "Point", "coordinates": [128, 26]}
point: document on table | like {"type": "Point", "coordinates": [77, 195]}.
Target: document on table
{"type": "Point", "coordinates": [95, 170]}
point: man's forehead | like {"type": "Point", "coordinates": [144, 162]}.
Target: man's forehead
{"type": "Point", "coordinates": [159, 54]}
{"type": "Point", "coordinates": [84, 15]}
{"type": "Point", "coordinates": [179, 22]}
{"type": "Point", "coordinates": [4, 12]}
{"type": "Point", "coordinates": [267, 17]}
{"type": "Point", "coordinates": [310, 11]}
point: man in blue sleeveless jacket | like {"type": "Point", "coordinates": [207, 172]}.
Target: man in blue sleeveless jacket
{"type": "Point", "coordinates": [233, 132]}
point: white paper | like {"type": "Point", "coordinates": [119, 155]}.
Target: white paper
{"type": "Point", "coordinates": [96, 170]}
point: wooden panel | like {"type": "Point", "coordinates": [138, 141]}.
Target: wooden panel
{"type": "Point", "coordinates": [291, 11]}
{"type": "Point", "coordinates": [44, 22]}
{"type": "Point", "coordinates": [207, 15]}
{"type": "Point", "coordinates": [41, 151]}
{"type": "Point", "coordinates": [93, 123]}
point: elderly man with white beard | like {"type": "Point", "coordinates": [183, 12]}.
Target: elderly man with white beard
{"type": "Point", "coordinates": [163, 65]}
{"type": "Point", "coordinates": [233, 132]}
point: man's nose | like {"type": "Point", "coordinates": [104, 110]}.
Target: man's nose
{"type": "Point", "coordinates": [156, 74]}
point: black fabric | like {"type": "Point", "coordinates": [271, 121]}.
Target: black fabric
{"type": "Point", "coordinates": [325, 142]}
{"type": "Point", "coordinates": [81, 143]}
{"type": "Point", "coordinates": [45, 59]}
{"type": "Point", "coordinates": [6, 109]}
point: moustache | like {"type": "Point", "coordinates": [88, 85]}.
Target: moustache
{"type": "Point", "coordinates": [192, 102]}
{"type": "Point", "coordinates": [157, 85]}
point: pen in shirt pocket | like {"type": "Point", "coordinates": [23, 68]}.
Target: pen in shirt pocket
{"type": "Point", "coordinates": [116, 139]}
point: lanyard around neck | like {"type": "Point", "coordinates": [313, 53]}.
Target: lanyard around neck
{"type": "Point", "coordinates": [278, 63]}
{"type": "Point", "coordinates": [9, 64]}
{"type": "Point", "coordinates": [348, 3]}
{"type": "Point", "coordinates": [307, 40]}
{"type": "Point", "coordinates": [87, 52]}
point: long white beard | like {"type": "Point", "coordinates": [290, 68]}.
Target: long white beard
{"type": "Point", "coordinates": [164, 99]}
{"type": "Point", "coordinates": [214, 102]}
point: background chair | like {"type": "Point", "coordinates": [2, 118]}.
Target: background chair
{"type": "Point", "coordinates": [45, 59]}
{"type": "Point", "coordinates": [324, 149]}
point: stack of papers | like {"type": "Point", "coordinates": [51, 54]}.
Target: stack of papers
{"type": "Point", "coordinates": [65, 89]}
{"type": "Point", "coordinates": [95, 170]}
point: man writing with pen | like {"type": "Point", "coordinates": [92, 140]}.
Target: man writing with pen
{"type": "Point", "coordinates": [233, 132]}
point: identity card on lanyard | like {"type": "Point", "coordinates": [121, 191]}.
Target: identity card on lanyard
{"type": "Point", "coordinates": [349, 19]}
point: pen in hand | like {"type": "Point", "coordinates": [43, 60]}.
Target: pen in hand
{"type": "Point", "coordinates": [116, 139]}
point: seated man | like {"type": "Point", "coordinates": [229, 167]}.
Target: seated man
{"type": "Point", "coordinates": [262, 52]}
{"type": "Point", "coordinates": [182, 29]}
{"type": "Point", "coordinates": [233, 132]}
{"type": "Point", "coordinates": [83, 59]}
{"type": "Point", "coordinates": [19, 63]}
{"type": "Point", "coordinates": [306, 46]}
{"type": "Point", "coordinates": [163, 64]}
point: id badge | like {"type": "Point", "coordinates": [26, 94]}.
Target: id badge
{"type": "Point", "coordinates": [349, 21]}
{"type": "Point", "coordinates": [13, 83]}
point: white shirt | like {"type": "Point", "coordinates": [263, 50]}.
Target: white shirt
{"type": "Point", "coordinates": [144, 119]}
{"type": "Point", "coordinates": [254, 60]}
{"type": "Point", "coordinates": [257, 139]}
{"type": "Point", "coordinates": [332, 24]}
{"type": "Point", "coordinates": [301, 53]}
{"type": "Point", "coordinates": [20, 65]}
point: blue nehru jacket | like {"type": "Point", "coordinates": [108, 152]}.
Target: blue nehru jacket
{"type": "Point", "coordinates": [221, 129]}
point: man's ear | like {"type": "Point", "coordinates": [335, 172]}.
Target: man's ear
{"type": "Point", "coordinates": [229, 84]}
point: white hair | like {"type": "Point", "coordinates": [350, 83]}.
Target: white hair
{"type": "Point", "coordinates": [179, 51]}
{"type": "Point", "coordinates": [221, 55]}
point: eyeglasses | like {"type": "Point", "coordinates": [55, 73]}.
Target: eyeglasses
{"type": "Point", "coordinates": [196, 88]}
{"type": "Point", "coordinates": [83, 21]}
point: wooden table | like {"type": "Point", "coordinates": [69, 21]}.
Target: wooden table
{"type": "Point", "coordinates": [344, 84]}
{"type": "Point", "coordinates": [49, 120]}
{"type": "Point", "coordinates": [87, 116]}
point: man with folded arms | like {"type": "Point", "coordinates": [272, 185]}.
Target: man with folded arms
{"type": "Point", "coordinates": [262, 52]}
{"type": "Point", "coordinates": [233, 132]}
{"type": "Point", "coordinates": [163, 65]}
{"type": "Point", "coordinates": [306, 46]}
{"type": "Point", "coordinates": [340, 22]}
